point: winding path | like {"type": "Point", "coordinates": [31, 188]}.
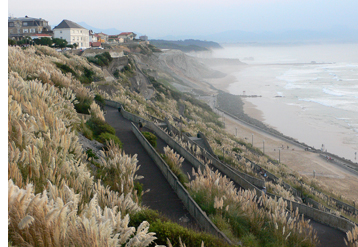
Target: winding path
{"type": "Point", "coordinates": [163, 198]}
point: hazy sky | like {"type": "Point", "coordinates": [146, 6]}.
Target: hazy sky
{"type": "Point", "coordinates": [176, 17]}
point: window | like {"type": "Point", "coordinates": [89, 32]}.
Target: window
{"type": "Point", "coordinates": [11, 24]}
{"type": "Point", "coordinates": [81, 38]}
{"type": "Point", "coordinates": [32, 30]}
{"type": "Point", "coordinates": [24, 23]}
{"type": "Point", "coordinates": [25, 30]}
{"type": "Point", "coordinates": [73, 38]}
{"type": "Point", "coordinates": [81, 31]}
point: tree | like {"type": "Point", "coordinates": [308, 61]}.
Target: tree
{"type": "Point", "coordinates": [62, 43]}
{"type": "Point", "coordinates": [43, 41]}
{"type": "Point", "coordinates": [75, 45]}
{"type": "Point", "coordinates": [11, 42]}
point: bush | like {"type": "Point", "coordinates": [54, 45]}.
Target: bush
{"type": "Point", "coordinates": [65, 69]}
{"type": "Point", "coordinates": [152, 139]}
{"type": "Point", "coordinates": [166, 229]}
{"type": "Point", "coordinates": [237, 150]}
{"type": "Point", "coordinates": [105, 137]}
{"type": "Point", "coordinates": [83, 105]}
{"type": "Point", "coordinates": [98, 127]}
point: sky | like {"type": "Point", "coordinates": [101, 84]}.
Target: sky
{"type": "Point", "coordinates": [158, 18]}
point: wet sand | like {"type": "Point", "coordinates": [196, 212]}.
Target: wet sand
{"type": "Point", "coordinates": [329, 175]}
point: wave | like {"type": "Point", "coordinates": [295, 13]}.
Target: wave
{"type": "Point", "coordinates": [332, 92]}
{"type": "Point", "coordinates": [337, 104]}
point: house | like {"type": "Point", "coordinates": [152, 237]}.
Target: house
{"type": "Point", "coordinates": [92, 36]}
{"type": "Point", "coordinates": [102, 37]}
{"type": "Point", "coordinates": [127, 36]}
{"type": "Point", "coordinates": [143, 38]}
{"type": "Point", "coordinates": [20, 27]}
{"type": "Point", "coordinates": [72, 33]}
{"type": "Point", "coordinates": [115, 39]}
{"type": "Point", "coordinates": [96, 44]}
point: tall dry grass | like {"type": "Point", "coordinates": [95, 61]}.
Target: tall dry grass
{"type": "Point", "coordinates": [52, 198]}
{"type": "Point", "coordinates": [228, 206]}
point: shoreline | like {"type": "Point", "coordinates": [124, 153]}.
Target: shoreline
{"type": "Point", "coordinates": [295, 157]}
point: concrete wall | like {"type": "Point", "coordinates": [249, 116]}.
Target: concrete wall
{"type": "Point", "coordinates": [176, 146]}
{"type": "Point", "coordinates": [207, 145]}
{"type": "Point", "coordinates": [317, 215]}
{"type": "Point", "coordinates": [182, 193]}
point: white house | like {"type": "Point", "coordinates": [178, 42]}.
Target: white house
{"type": "Point", "coordinates": [72, 33]}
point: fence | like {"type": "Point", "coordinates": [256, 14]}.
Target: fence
{"type": "Point", "coordinates": [317, 215]}
{"type": "Point", "coordinates": [182, 193]}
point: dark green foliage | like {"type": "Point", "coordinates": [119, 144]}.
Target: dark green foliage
{"type": "Point", "coordinates": [237, 150]}
{"type": "Point", "coordinates": [91, 154]}
{"type": "Point", "coordinates": [106, 137]}
{"type": "Point", "coordinates": [98, 126]}
{"type": "Point", "coordinates": [100, 100]}
{"type": "Point", "coordinates": [11, 42]}
{"type": "Point", "coordinates": [83, 105]}
{"type": "Point", "coordinates": [217, 141]}
{"type": "Point", "coordinates": [87, 76]}
{"type": "Point", "coordinates": [44, 41]}
{"type": "Point", "coordinates": [152, 139]}
{"type": "Point", "coordinates": [116, 73]}
{"type": "Point", "coordinates": [102, 59]}
{"type": "Point", "coordinates": [164, 229]}
{"type": "Point", "coordinates": [62, 43]}
{"type": "Point", "coordinates": [65, 69]}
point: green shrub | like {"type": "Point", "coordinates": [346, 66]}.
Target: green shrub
{"type": "Point", "coordinates": [152, 139]}
{"type": "Point", "coordinates": [99, 100]}
{"type": "Point", "coordinates": [98, 126]}
{"type": "Point", "coordinates": [65, 69]}
{"type": "Point", "coordinates": [83, 105]}
{"type": "Point", "coordinates": [237, 150]}
{"type": "Point", "coordinates": [91, 154]}
{"type": "Point", "coordinates": [166, 229]}
{"type": "Point", "coordinates": [105, 137]}
{"type": "Point", "coordinates": [85, 130]}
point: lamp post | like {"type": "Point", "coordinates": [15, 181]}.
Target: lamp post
{"type": "Point", "coordinates": [236, 131]}
{"type": "Point", "coordinates": [263, 145]}
{"type": "Point", "coordinates": [279, 155]}
{"type": "Point", "coordinates": [252, 140]}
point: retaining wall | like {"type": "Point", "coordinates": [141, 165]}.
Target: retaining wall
{"type": "Point", "coordinates": [317, 215]}
{"type": "Point", "coordinates": [182, 193]}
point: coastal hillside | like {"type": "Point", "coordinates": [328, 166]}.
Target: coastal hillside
{"type": "Point", "coordinates": [61, 192]}
{"type": "Point", "coordinates": [187, 45]}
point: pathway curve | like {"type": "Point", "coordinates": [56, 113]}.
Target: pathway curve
{"type": "Point", "coordinates": [161, 196]}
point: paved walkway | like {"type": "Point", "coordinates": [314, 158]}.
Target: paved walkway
{"type": "Point", "coordinates": [161, 196]}
{"type": "Point", "coordinates": [328, 236]}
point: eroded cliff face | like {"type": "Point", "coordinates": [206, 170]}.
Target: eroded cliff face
{"type": "Point", "coordinates": [184, 72]}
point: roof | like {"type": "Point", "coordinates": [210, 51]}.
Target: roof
{"type": "Point", "coordinates": [96, 44]}
{"type": "Point", "coordinates": [125, 33]}
{"type": "Point", "coordinates": [68, 24]}
{"type": "Point", "coordinates": [41, 35]}
{"type": "Point", "coordinates": [99, 34]}
{"type": "Point", "coordinates": [26, 18]}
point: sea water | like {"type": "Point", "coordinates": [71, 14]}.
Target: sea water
{"type": "Point", "coordinates": [309, 92]}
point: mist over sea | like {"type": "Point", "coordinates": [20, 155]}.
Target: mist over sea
{"type": "Point", "coordinates": [309, 92]}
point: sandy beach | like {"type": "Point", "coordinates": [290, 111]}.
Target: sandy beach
{"type": "Point", "coordinates": [296, 158]}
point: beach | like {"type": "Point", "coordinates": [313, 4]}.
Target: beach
{"type": "Point", "coordinates": [269, 109]}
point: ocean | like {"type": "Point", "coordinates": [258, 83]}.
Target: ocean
{"type": "Point", "coordinates": [309, 92]}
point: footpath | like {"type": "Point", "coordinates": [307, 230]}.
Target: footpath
{"type": "Point", "coordinates": [162, 197]}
